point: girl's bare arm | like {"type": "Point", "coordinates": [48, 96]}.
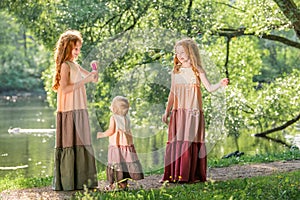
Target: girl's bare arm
{"type": "Point", "coordinates": [65, 84]}
{"type": "Point", "coordinates": [110, 131]}
{"type": "Point", "coordinates": [170, 102]}
{"type": "Point", "coordinates": [84, 71]}
{"type": "Point", "coordinates": [208, 86]}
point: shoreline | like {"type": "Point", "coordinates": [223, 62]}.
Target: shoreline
{"type": "Point", "coordinates": [24, 93]}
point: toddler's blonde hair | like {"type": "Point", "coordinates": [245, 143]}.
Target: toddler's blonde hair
{"type": "Point", "coordinates": [120, 105]}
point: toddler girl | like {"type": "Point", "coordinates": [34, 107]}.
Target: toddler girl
{"type": "Point", "coordinates": [123, 162]}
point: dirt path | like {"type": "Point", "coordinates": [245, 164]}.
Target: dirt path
{"type": "Point", "coordinates": [217, 174]}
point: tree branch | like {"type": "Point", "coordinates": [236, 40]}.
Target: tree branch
{"type": "Point", "coordinates": [230, 5]}
{"type": "Point", "coordinates": [282, 40]}
{"type": "Point", "coordinates": [189, 17]}
{"type": "Point", "coordinates": [288, 123]}
{"type": "Point", "coordinates": [227, 57]}
{"type": "Point", "coordinates": [241, 32]}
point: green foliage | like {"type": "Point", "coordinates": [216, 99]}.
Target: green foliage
{"type": "Point", "coordinates": [277, 60]}
{"type": "Point", "coordinates": [256, 66]}
{"type": "Point", "coordinates": [22, 59]}
{"type": "Point", "coordinates": [41, 17]}
{"type": "Point", "coordinates": [261, 18]}
{"type": "Point", "coordinates": [278, 101]}
{"type": "Point", "coordinates": [47, 77]}
{"type": "Point", "coordinates": [269, 105]}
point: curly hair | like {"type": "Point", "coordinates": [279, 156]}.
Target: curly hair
{"type": "Point", "coordinates": [63, 52]}
{"type": "Point", "coordinates": [192, 50]}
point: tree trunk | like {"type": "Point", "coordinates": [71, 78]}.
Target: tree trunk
{"type": "Point", "coordinates": [290, 10]}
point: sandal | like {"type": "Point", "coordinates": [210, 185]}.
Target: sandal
{"type": "Point", "coordinates": [109, 187]}
{"type": "Point", "coordinates": [120, 186]}
{"type": "Point", "coordinates": [123, 186]}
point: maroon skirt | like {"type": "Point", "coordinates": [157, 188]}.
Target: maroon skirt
{"type": "Point", "coordinates": [185, 156]}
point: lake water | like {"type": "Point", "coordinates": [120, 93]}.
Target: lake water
{"type": "Point", "coordinates": [31, 153]}
{"type": "Point", "coordinates": [24, 153]}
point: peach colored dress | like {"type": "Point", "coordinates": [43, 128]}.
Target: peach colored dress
{"type": "Point", "coordinates": [185, 156]}
{"type": "Point", "coordinates": [74, 155]}
{"type": "Point", "coordinates": [123, 161]}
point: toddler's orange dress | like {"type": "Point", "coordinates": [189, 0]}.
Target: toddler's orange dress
{"type": "Point", "coordinates": [123, 161]}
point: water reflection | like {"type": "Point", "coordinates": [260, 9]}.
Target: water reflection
{"type": "Point", "coordinates": [277, 141]}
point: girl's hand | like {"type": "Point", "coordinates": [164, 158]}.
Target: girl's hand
{"type": "Point", "coordinates": [95, 76]}
{"type": "Point", "coordinates": [224, 82]}
{"type": "Point", "coordinates": [94, 65]}
{"type": "Point", "coordinates": [165, 118]}
{"type": "Point", "coordinates": [100, 135]}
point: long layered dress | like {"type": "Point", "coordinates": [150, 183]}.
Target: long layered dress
{"type": "Point", "coordinates": [123, 161]}
{"type": "Point", "coordinates": [185, 156]}
{"type": "Point", "coordinates": [74, 155]}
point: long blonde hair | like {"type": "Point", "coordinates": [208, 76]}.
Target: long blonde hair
{"type": "Point", "coordinates": [63, 52]}
{"type": "Point", "coordinates": [191, 49]}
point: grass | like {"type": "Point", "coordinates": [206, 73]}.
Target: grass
{"type": "Point", "coordinates": [290, 154]}
{"type": "Point", "coordinates": [280, 186]}
{"type": "Point", "coordinates": [19, 183]}
{"type": "Point", "coordinates": [285, 186]}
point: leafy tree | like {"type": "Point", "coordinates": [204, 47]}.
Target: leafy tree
{"type": "Point", "coordinates": [254, 43]}
{"type": "Point", "coordinates": [22, 59]}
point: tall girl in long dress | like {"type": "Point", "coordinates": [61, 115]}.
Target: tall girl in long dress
{"type": "Point", "coordinates": [185, 156]}
{"type": "Point", "coordinates": [74, 156]}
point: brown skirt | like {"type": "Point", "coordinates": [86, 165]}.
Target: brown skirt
{"type": "Point", "coordinates": [74, 156]}
{"type": "Point", "coordinates": [123, 163]}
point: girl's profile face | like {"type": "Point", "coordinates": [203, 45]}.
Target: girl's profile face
{"type": "Point", "coordinates": [181, 54]}
{"type": "Point", "coordinates": [113, 108]}
{"type": "Point", "coordinates": [76, 50]}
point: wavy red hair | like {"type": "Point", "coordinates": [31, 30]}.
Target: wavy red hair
{"type": "Point", "coordinates": [63, 52]}
{"type": "Point", "coordinates": [191, 49]}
